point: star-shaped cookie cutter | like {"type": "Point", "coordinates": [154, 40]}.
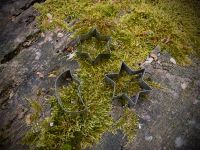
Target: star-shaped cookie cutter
{"type": "Point", "coordinates": [64, 79]}
{"type": "Point", "coordinates": [145, 88]}
{"type": "Point", "coordinates": [102, 56]}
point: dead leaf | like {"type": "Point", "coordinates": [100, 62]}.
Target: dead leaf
{"type": "Point", "coordinates": [51, 75]}
{"type": "Point", "coordinates": [11, 94]}
{"type": "Point", "coordinates": [154, 56]}
{"type": "Point", "coordinates": [28, 119]}
{"type": "Point", "coordinates": [41, 75]}
{"type": "Point", "coordinates": [173, 60]}
{"type": "Point", "coordinates": [167, 40]}
{"type": "Point", "coordinates": [49, 16]}
{"type": "Point", "coordinates": [42, 34]}
{"type": "Point", "coordinates": [13, 18]}
{"type": "Point", "coordinates": [60, 35]}
{"type": "Point", "coordinates": [69, 49]}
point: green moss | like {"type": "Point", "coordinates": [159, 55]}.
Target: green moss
{"type": "Point", "coordinates": [135, 27]}
{"type": "Point", "coordinates": [93, 47]}
{"type": "Point", "coordinates": [37, 109]}
{"type": "Point", "coordinates": [77, 131]}
{"type": "Point", "coordinates": [128, 124]}
{"type": "Point", "coordinates": [127, 84]}
{"type": "Point", "coordinates": [129, 22]}
{"type": "Point", "coordinates": [69, 97]}
{"type": "Point", "coordinates": [155, 85]}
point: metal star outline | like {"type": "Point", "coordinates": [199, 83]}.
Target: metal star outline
{"type": "Point", "coordinates": [145, 88]}
{"type": "Point", "coordinates": [104, 55]}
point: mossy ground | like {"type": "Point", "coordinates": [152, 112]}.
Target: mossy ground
{"type": "Point", "coordinates": [136, 26]}
{"type": "Point", "coordinates": [69, 97]}
{"type": "Point", "coordinates": [127, 84]}
{"type": "Point", "coordinates": [93, 47]}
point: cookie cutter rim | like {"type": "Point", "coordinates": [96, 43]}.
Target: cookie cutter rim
{"type": "Point", "coordinates": [145, 88]}
{"type": "Point", "coordinates": [106, 54]}
{"type": "Point", "coordinates": [61, 77]}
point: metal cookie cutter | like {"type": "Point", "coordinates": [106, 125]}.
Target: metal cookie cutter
{"type": "Point", "coordinates": [64, 79]}
{"type": "Point", "coordinates": [104, 55]}
{"type": "Point", "coordinates": [145, 88]}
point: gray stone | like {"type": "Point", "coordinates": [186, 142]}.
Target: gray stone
{"type": "Point", "coordinates": [179, 142]}
{"type": "Point", "coordinates": [148, 138]}
{"type": "Point", "coordinates": [173, 60]}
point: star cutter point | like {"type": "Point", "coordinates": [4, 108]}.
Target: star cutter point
{"type": "Point", "coordinates": [101, 56]}
{"type": "Point", "coordinates": [145, 88]}
{"type": "Point", "coordinates": [63, 80]}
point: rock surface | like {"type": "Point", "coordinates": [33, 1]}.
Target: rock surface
{"type": "Point", "coordinates": [169, 118]}
{"type": "Point", "coordinates": [24, 71]}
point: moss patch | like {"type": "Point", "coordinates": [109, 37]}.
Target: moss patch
{"type": "Point", "coordinates": [133, 25]}
{"type": "Point", "coordinates": [93, 47]}
{"type": "Point", "coordinates": [127, 84]}
{"type": "Point", "coordinates": [69, 97]}
{"type": "Point", "coordinates": [128, 124]}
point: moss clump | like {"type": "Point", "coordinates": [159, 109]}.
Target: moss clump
{"type": "Point", "coordinates": [72, 131]}
{"type": "Point", "coordinates": [69, 97]}
{"type": "Point", "coordinates": [127, 84]}
{"type": "Point", "coordinates": [134, 26]}
{"type": "Point", "coordinates": [36, 108]}
{"type": "Point", "coordinates": [93, 47]}
{"type": "Point", "coordinates": [128, 124]}
{"type": "Point", "coordinates": [155, 85]}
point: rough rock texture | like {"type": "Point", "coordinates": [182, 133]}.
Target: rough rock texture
{"type": "Point", "coordinates": [17, 24]}
{"type": "Point", "coordinates": [26, 62]}
{"type": "Point", "coordinates": [169, 119]}
{"type": "Point", "coordinates": [172, 112]}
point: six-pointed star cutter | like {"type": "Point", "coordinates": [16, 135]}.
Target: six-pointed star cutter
{"type": "Point", "coordinates": [102, 56]}
{"type": "Point", "coordinates": [145, 88]}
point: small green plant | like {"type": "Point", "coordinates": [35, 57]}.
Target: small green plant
{"type": "Point", "coordinates": [37, 109]}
